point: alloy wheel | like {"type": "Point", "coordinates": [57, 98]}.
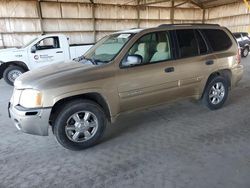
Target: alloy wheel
{"type": "Point", "coordinates": [81, 126]}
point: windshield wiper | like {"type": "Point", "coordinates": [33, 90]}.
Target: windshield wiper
{"type": "Point", "coordinates": [80, 58]}
{"type": "Point", "coordinates": [91, 60]}
{"type": "Point", "coordinates": [98, 60]}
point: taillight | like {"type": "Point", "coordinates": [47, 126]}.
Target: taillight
{"type": "Point", "coordinates": [238, 56]}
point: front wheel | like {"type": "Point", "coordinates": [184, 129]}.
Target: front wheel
{"type": "Point", "coordinates": [216, 93]}
{"type": "Point", "coordinates": [80, 124]}
{"type": "Point", "coordinates": [11, 73]}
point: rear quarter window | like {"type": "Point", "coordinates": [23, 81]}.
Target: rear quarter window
{"type": "Point", "coordinates": [218, 39]}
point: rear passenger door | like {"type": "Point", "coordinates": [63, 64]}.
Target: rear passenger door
{"type": "Point", "coordinates": [193, 62]}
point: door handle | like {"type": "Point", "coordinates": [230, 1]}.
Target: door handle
{"type": "Point", "coordinates": [210, 62]}
{"type": "Point", "coordinates": [59, 52]}
{"type": "Point", "coordinates": [169, 69]}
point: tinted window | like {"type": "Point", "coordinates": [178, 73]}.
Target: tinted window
{"type": "Point", "coordinates": [237, 35]}
{"type": "Point", "coordinates": [202, 45]}
{"type": "Point", "coordinates": [218, 39]}
{"type": "Point", "coordinates": [245, 34]}
{"type": "Point", "coordinates": [153, 47]}
{"type": "Point", "coordinates": [187, 43]}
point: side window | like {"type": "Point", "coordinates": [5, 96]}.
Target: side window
{"type": "Point", "coordinates": [150, 48]}
{"type": "Point", "coordinates": [48, 43]}
{"type": "Point", "coordinates": [187, 43]}
{"type": "Point", "coordinates": [161, 51]}
{"type": "Point", "coordinates": [143, 47]}
{"type": "Point", "coordinates": [244, 34]}
{"type": "Point", "coordinates": [218, 39]}
{"type": "Point", "coordinates": [201, 43]}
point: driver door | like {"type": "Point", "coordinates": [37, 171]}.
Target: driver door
{"type": "Point", "coordinates": [152, 81]}
{"type": "Point", "coordinates": [46, 52]}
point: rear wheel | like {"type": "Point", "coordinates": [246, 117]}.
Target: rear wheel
{"type": "Point", "coordinates": [216, 93]}
{"type": "Point", "coordinates": [245, 52]}
{"type": "Point", "coordinates": [12, 73]}
{"type": "Point", "coordinates": [80, 124]}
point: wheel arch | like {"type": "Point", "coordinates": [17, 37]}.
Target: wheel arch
{"type": "Point", "coordinates": [2, 69]}
{"type": "Point", "coordinates": [247, 46]}
{"type": "Point", "coordinates": [17, 63]}
{"type": "Point", "coordinates": [226, 73]}
{"type": "Point", "coordinates": [93, 96]}
{"type": "Point", "coordinates": [5, 65]}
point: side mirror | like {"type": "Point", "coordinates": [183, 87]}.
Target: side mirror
{"type": "Point", "coordinates": [132, 60]}
{"type": "Point", "coordinates": [33, 49]}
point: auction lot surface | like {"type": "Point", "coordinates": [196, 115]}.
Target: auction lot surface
{"type": "Point", "coordinates": [181, 145]}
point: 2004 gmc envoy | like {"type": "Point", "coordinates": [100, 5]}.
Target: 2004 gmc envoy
{"type": "Point", "coordinates": [125, 71]}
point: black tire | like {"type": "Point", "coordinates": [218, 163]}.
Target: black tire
{"type": "Point", "coordinates": [9, 70]}
{"type": "Point", "coordinates": [207, 100]}
{"type": "Point", "coordinates": [245, 52]}
{"type": "Point", "coordinates": [66, 113]}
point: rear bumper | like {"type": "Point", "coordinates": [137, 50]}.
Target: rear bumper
{"type": "Point", "coordinates": [237, 74]}
{"type": "Point", "coordinates": [31, 121]}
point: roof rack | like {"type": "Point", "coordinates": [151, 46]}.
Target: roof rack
{"type": "Point", "coordinates": [194, 24]}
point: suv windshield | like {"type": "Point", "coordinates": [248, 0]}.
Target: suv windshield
{"type": "Point", "coordinates": [108, 47]}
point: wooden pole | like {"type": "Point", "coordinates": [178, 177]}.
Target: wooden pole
{"type": "Point", "coordinates": [40, 16]}
{"type": "Point", "coordinates": [138, 13]}
{"type": "Point", "coordinates": [93, 20]}
{"type": "Point", "coordinates": [172, 12]}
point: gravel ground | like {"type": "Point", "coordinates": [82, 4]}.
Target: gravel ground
{"type": "Point", "coordinates": [180, 145]}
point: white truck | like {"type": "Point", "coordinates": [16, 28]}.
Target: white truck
{"type": "Point", "coordinates": [41, 51]}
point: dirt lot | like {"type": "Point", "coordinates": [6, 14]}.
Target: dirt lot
{"type": "Point", "coordinates": [181, 145]}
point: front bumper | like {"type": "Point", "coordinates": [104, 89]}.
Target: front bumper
{"type": "Point", "coordinates": [31, 121]}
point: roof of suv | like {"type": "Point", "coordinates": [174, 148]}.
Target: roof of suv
{"type": "Point", "coordinates": [137, 30]}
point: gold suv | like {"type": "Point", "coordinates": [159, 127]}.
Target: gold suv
{"type": "Point", "coordinates": [122, 72]}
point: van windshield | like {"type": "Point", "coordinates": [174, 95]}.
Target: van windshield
{"type": "Point", "coordinates": [108, 47]}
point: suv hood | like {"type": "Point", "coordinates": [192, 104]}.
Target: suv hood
{"type": "Point", "coordinates": [53, 76]}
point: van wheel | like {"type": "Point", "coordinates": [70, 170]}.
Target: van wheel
{"type": "Point", "coordinates": [11, 73]}
{"type": "Point", "coordinates": [216, 93]}
{"type": "Point", "coordinates": [80, 124]}
{"type": "Point", "coordinates": [245, 52]}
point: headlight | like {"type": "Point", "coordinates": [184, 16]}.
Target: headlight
{"type": "Point", "coordinates": [15, 97]}
{"type": "Point", "coordinates": [31, 98]}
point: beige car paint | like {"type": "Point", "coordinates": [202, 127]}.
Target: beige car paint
{"type": "Point", "coordinates": [128, 89]}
